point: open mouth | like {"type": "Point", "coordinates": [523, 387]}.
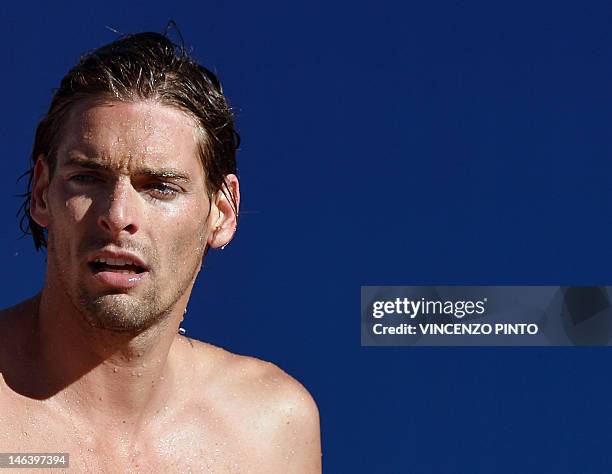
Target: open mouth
{"type": "Point", "coordinates": [116, 265]}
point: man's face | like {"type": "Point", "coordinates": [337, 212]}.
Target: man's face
{"type": "Point", "coordinates": [128, 211]}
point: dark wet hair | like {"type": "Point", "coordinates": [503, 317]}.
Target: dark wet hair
{"type": "Point", "coordinates": [143, 66]}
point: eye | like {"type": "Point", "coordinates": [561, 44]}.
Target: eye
{"type": "Point", "coordinates": [163, 191]}
{"type": "Point", "coordinates": [83, 178]}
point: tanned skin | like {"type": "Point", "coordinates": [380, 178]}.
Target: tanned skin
{"type": "Point", "coordinates": [94, 365]}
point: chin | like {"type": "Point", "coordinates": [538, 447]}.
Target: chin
{"type": "Point", "coordinates": [120, 313]}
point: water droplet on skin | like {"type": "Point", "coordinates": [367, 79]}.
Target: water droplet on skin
{"type": "Point", "coordinates": [182, 331]}
{"type": "Point", "coordinates": [139, 374]}
{"type": "Point", "coordinates": [115, 369]}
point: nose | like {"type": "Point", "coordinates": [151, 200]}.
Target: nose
{"type": "Point", "coordinates": [120, 211]}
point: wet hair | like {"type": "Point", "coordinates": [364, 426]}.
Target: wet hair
{"type": "Point", "coordinates": [143, 66]}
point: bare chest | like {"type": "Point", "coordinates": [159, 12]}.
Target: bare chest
{"type": "Point", "coordinates": [178, 445]}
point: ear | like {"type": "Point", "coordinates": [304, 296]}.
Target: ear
{"type": "Point", "coordinates": [224, 216]}
{"type": "Point", "coordinates": [39, 209]}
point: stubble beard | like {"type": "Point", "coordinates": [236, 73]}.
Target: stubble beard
{"type": "Point", "coordinates": [123, 313]}
{"type": "Point", "coordinates": [120, 312]}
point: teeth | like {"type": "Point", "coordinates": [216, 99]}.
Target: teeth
{"type": "Point", "coordinates": [114, 261]}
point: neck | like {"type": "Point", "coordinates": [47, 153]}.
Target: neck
{"type": "Point", "coordinates": [106, 377]}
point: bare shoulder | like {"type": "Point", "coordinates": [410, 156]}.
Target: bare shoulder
{"type": "Point", "coordinates": [16, 323]}
{"type": "Point", "coordinates": [270, 408]}
{"type": "Point", "coordinates": [258, 386]}
{"type": "Point", "coordinates": [27, 307]}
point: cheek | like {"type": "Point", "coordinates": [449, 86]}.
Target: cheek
{"type": "Point", "coordinates": [187, 229]}
{"type": "Point", "coordinates": [69, 206]}
{"type": "Point", "coordinates": [76, 208]}
{"type": "Point", "coordinates": [187, 242]}
{"type": "Point", "coordinates": [64, 218]}
{"type": "Point", "coordinates": [64, 226]}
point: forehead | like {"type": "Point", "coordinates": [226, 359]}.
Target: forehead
{"type": "Point", "coordinates": [131, 133]}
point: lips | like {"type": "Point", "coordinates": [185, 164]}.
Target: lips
{"type": "Point", "coordinates": [118, 265]}
{"type": "Point", "coordinates": [117, 269]}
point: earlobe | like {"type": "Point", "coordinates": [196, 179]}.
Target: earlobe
{"type": "Point", "coordinates": [227, 203]}
{"type": "Point", "coordinates": [38, 199]}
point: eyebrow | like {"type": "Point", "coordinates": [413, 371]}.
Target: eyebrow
{"type": "Point", "coordinates": [92, 164]}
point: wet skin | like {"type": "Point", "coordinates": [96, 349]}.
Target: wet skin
{"type": "Point", "coordinates": [93, 365]}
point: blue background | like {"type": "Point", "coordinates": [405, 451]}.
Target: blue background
{"type": "Point", "coordinates": [441, 142]}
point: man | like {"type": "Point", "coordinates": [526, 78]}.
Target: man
{"type": "Point", "coordinates": [133, 180]}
